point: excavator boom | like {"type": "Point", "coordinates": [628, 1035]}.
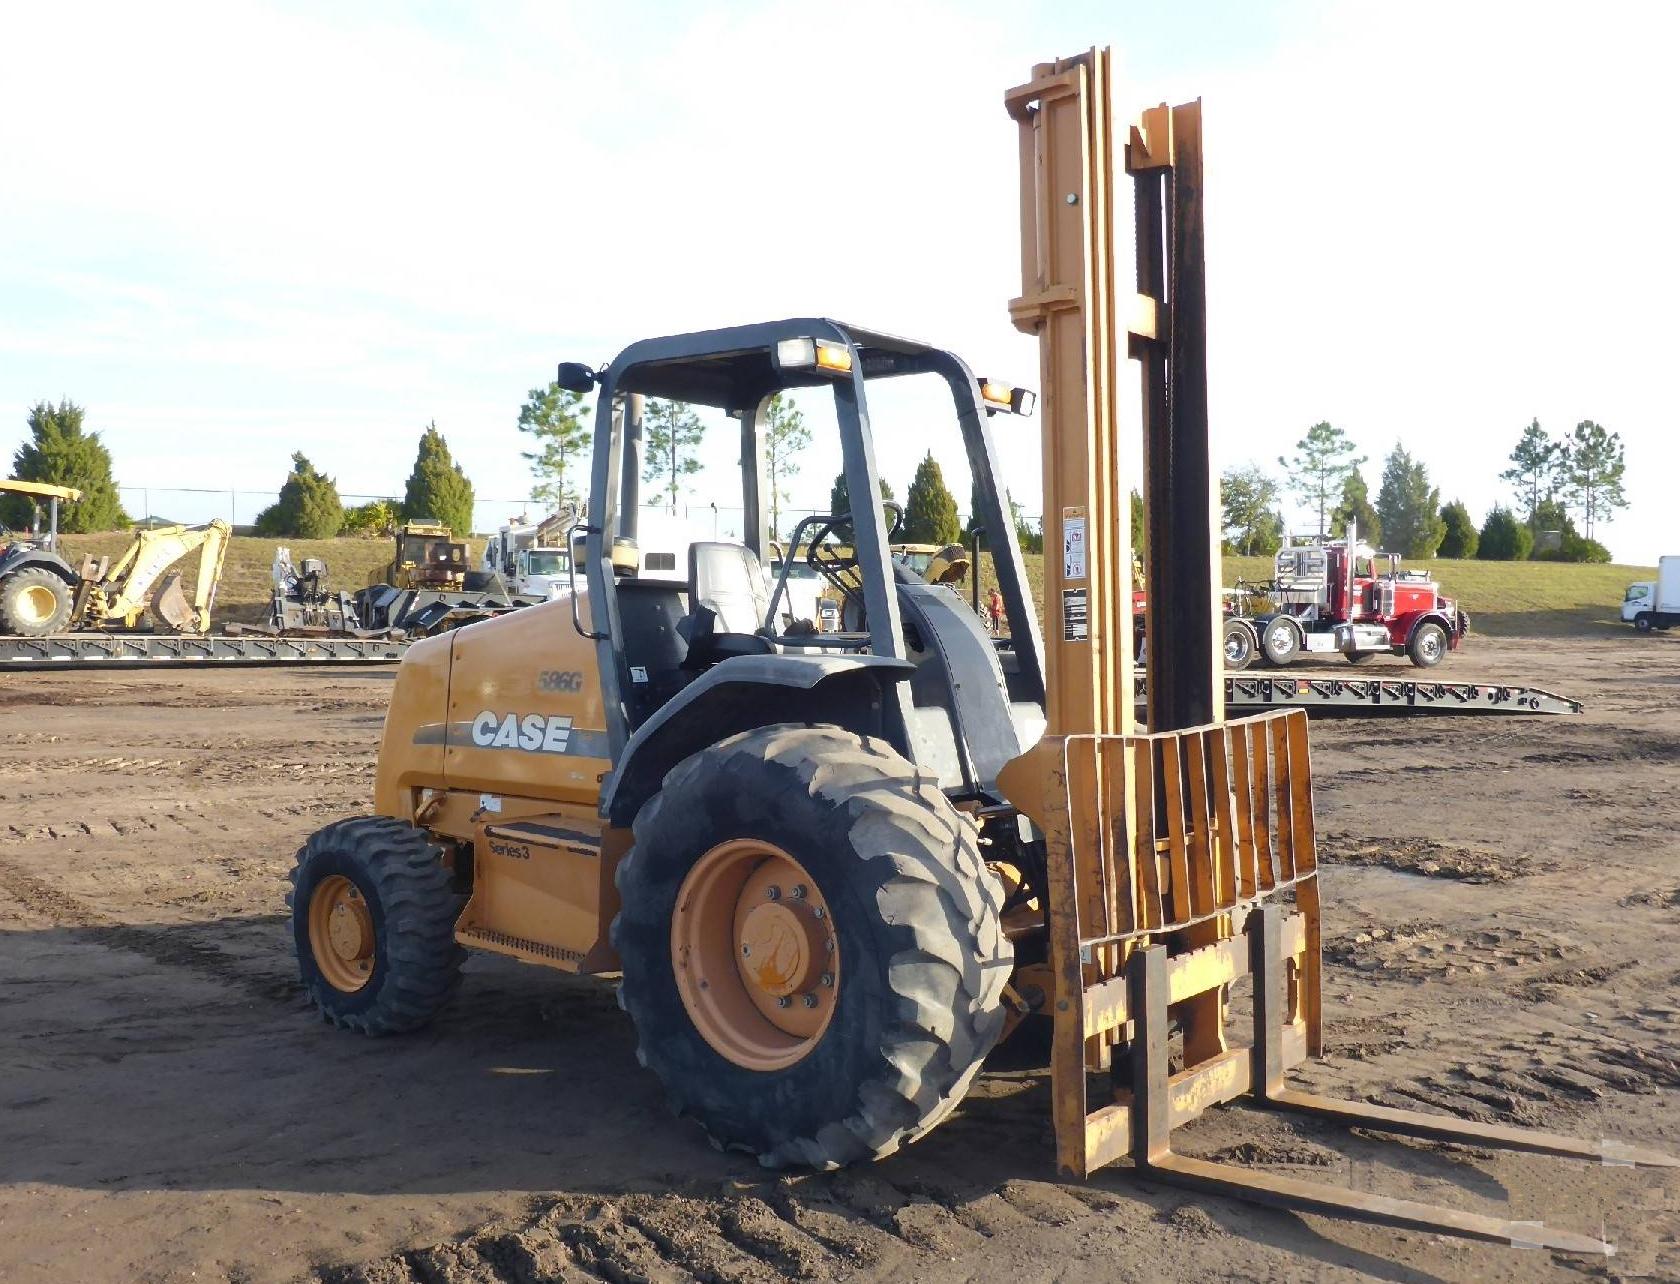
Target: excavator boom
{"type": "Point", "coordinates": [122, 592]}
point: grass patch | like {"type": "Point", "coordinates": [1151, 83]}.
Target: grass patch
{"type": "Point", "coordinates": [1504, 599]}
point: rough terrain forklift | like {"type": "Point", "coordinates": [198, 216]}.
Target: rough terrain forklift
{"type": "Point", "coordinates": [830, 869]}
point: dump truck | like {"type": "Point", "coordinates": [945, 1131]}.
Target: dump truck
{"type": "Point", "coordinates": [829, 872]}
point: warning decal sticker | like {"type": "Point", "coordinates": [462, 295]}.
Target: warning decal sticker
{"type": "Point", "coordinates": [1076, 615]}
{"type": "Point", "coordinates": [1073, 543]}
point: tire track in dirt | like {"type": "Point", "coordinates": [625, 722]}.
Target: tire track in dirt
{"type": "Point", "coordinates": [194, 947]}
{"type": "Point", "coordinates": [819, 1227]}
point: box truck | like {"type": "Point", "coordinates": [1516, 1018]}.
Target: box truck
{"type": "Point", "coordinates": [1655, 604]}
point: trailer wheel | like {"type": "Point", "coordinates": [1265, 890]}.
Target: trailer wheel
{"type": "Point", "coordinates": [812, 950]}
{"type": "Point", "coordinates": [373, 919]}
{"type": "Point", "coordinates": [1239, 646]}
{"type": "Point", "coordinates": [1643, 622]}
{"type": "Point", "coordinates": [1428, 645]}
{"type": "Point", "coordinates": [34, 602]}
{"type": "Point", "coordinates": [1281, 641]}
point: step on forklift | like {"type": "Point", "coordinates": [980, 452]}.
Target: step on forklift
{"type": "Point", "coordinates": [831, 870]}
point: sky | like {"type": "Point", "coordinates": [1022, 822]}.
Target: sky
{"type": "Point", "coordinates": [235, 230]}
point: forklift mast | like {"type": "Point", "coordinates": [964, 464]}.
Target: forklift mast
{"type": "Point", "coordinates": [1181, 858]}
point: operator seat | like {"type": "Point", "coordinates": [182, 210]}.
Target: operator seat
{"type": "Point", "coordinates": [727, 603]}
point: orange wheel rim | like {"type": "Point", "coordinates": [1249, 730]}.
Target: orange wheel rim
{"type": "Point", "coordinates": [754, 951]}
{"type": "Point", "coordinates": [341, 935]}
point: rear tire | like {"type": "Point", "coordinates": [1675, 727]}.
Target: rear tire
{"type": "Point", "coordinates": [392, 961]}
{"type": "Point", "coordinates": [1643, 622]}
{"type": "Point", "coordinates": [1281, 642]}
{"type": "Point", "coordinates": [34, 602]}
{"type": "Point", "coordinates": [922, 961]}
{"type": "Point", "coordinates": [1239, 647]}
{"type": "Point", "coordinates": [1428, 646]}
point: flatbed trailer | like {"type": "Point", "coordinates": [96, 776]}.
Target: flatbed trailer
{"type": "Point", "coordinates": [1244, 693]}
{"type": "Point", "coordinates": [1353, 697]}
{"type": "Point", "coordinates": [163, 650]}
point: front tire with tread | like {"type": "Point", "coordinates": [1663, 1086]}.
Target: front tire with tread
{"type": "Point", "coordinates": [22, 590]}
{"type": "Point", "coordinates": [400, 873]}
{"type": "Point", "coordinates": [1281, 642]}
{"type": "Point", "coordinates": [917, 920]}
{"type": "Point", "coordinates": [1428, 645]}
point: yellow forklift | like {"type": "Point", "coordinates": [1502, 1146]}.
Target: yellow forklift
{"type": "Point", "coordinates": [829, 871]}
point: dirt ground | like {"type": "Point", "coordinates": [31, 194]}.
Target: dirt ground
{"type": "Point", "coordinates": [1501, 940]}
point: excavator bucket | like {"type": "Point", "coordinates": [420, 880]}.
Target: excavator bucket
{"type": "Point", "coordinates": [170, 607]}
{"type": "Point", "coordinates": [1181, 860]}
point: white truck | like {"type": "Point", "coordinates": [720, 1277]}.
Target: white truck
{"type": "Point", "coordinates": [530, 558]}
{"type": "Point", "coordinates": [1655, 604]}
{"type": "Point", "coordinates": [533, 559]}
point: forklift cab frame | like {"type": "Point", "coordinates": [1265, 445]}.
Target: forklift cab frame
{"type": "Point", "coordinates": [737, 370]}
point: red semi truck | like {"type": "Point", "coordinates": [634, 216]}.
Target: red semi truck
{"type": "Point", "coordinates": [1345, 597]}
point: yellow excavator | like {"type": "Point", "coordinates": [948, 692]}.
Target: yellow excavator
{"type": "Point", "coordinates": [42, 594]}
{"type": "Point", "coordinates": [830, 871]}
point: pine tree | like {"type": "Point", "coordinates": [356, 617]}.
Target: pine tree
{"type": "Point", "coordinates": [1355, 505]}
{"type": "Point", "coordinates": [1409, 510]}
{"type": "Point", "coordinates": [60, 451]}
{"type": "Point", "coordinates": [1593, 474]}
{"type": "Point", "coordinates": [840, 494]}
{"type": "Point", "coordinates": [672, 444]}
{"type": "Point", "coordinates": [1323, 460]}
{"type": "Point", "coordinates": [785, 436]}
{"type": "Point", "coordinates": [1247, 499]}
{"type": "Point", "coordinates": [308, 507]}
{"type": "Point", "coordinates": [930, 510]}
{"type": "Point", "coordinates": [437, 488]}
{"type": "Point", "coordinates": [1504, 538]}
{"type": "Point", "coordinates": [1533, 473]}
{"type": "Point", "coordinates": [1462, 537]}
{"type": "Point", "coordinates": [559, 421]}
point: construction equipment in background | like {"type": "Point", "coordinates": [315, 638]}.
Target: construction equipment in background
{"type": "Point", "coordinates": [1181, 858]}
{"type": "Point", "coordinates": [303, 605]}
{"type": "Point", "coordinates": [428, 587]}
{"type": "Point", "coordinates": [427, 556]}
{"type": "Point", "coordinates": [935, 563]}
{"type": "Point", "coordinates": [807, 855]}
{"type": "Point", "coordinates": [41, 594]}
{"type": "Point", "coordinates": [30, 567]}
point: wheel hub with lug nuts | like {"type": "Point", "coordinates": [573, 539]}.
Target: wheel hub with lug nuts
{"type": "Point", "coordinates": [754, 954]}
{"type": "Point", "coordinates": [341, 935]}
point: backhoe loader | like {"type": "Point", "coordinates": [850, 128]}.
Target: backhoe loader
{"type": "Point", "coordinates": [41, 594]}
{"type": "Point", "coordinates": [830, 870]}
